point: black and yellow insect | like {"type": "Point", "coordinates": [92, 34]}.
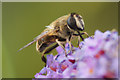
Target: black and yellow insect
{"type": "Point", "coordinates": [59, 32]}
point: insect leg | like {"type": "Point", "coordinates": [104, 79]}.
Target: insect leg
{"type": "Point", "coordinates": [62, 45]}
{"type": "Point", "coordinates": [78, 41]}
{"type": "Point", "coordinates": [69, 42]}
{"type": "Point", "coordinates": [51, 48]}
{"type": "Point", "coordinates": [44, 59]}
{"type": "Point", "coordinates": [47, 51]}
{"type": "Point", "coordinates": [80, 34]}
{"type": "Point", "coordinates": [78, 38]}
{"type": "Point", "coordinates": [85, 34]}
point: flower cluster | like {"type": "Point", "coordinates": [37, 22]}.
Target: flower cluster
{"type": "Point", "coordinates": [96, 57]}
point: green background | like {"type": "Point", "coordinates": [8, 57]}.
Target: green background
{"type": "Point", "coordinates": [21, 22]}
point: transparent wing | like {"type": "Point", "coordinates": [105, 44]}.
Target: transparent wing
{"type": "Point", "coordinates": [27, 45]}
{"type": "Point", "coordinates": [43, 34]}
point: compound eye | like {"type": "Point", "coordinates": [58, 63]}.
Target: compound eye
{"type": "Point", "coordinates": [79, 22]}
{"type": "Point", "coordinates": [72, 23]}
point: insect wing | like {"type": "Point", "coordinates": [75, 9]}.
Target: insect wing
{"type": "Point", "coordinates": [42, 35]}
{"type": "Point", "coordinates": [45, 33]}
{"type": "Point", "coordinates": [27, 45]}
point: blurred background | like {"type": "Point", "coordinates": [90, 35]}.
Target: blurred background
{"type": "Point", "coordinates": [22, 22]}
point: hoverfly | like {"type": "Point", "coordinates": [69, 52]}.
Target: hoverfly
{"type": "Point", "coordinates": [59, 32]}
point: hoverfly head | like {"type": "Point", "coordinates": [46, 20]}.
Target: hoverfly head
{"type": "Point", "coordinates": [75, 22]}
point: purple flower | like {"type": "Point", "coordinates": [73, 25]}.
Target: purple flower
{"type": "Point", "coordinates": [97, 57]}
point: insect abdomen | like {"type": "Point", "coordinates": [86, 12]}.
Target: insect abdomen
{"type": "Point", "coordinates": [42, 47]}
{"type": "Point", "coordinates": [43, 43]}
